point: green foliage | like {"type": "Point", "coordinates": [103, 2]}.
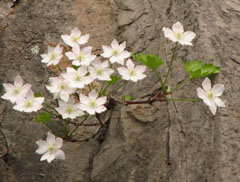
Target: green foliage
{"type": "Point", "coordinates": [37, 95]}
{"type": "Point", "coordinates": [152, 61]}
{"type": "Point", "coordinates": [128, 97]}
{"type": "Point", "coordinates": [44, 117]}
{"type": "Point", "coordinates": [75, 67]}
{"type": "Point", "coordinates": [114, 79]}
{"type": "Point", "coordinates": [196, 70]}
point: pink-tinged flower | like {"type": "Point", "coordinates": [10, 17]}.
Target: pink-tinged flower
{"type": "Point", "coordinates": [75, 38]}
{"type": "Point", "coordinates": [116, 52]}
{"type": "Point", "coordinates": [177, 34]}
{"type": "Point", "coordinates": [131, 72]}
{"type": "Point", "coordinates": [100, 70]}
{"type": "Point", "coordinates": [77, 78]}
{"type": "Point", "coordinates": [16, 91]}
{"type": "Point", "coordinates": [69, 109]}
{"type": "Point", "coordinates": [81, 56]}
{"type": "Point", "coordinates": [59, 87]}
{"type": "Point", "coordinates": [29, 103]}
{"type": "Point", "coordinates": [92, 104]}
{"type": "Point", "coordinates": [51, 148]}
{"type": "Point", "coordinates": [210, 95]}
{"type": "Point", "coordinates": [53, 56]}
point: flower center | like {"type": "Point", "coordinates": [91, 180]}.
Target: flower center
{"type": "Point", "coordinates": [29, 103]}
{"type": "Point", "coordinates": [75, 39]}
{"type": "Point", "coordinates": [16, 90]}
{"type": "Point", "coordinates": [92, 103]}
{"type": "Point", "coordinates": [210, 94]}
{"type": "Point", "coordinates": [115, 52]}
{"type": "Point", "coordinates": [51, 148]}
{"type": "Point", "coordinates": [53, 56]}
{"type": "Point", "coordinates": [78, 78]}
{"type": "Point", "coordinates": [62, 87]}
{"type": "Point", "coordinates": [69, 110]}
{"type": "Point", "coordinates": [80, 57]}
{"type": "Point", "coordinates": [179, 36]}
{"type": "Point", "coordinates": [99, 71]}
{"type": "Point", "coordinates": [132, 72]}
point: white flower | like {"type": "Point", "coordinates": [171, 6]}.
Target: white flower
{"type": "Point", "coordinates": [60, 88]}
{"type": "Point", "coordinates": [100, 70]}
{"type": "Point", "coordinates": [75, 38]}
{"type": "Point", "coordinates": [50, 148]}
{"type": "Point", "coordinates": [92, 104]}
{"type": "Point", "coordinates": [77, 78]}
{"type": "Point", "coordinates": [210, 95]}
{"type": "Point", "coordinates": [29, 103]}
{"type": "Point", "coordinates": [81, 56]}
{"type": "Point", "coordinates": [177, 34]}
{"type": "Point", "coordinates": [116, 52]}
{"type": "Point", "coordinates": [131, 72]}
{"type": "Point", "coordinates": [53, 56]}
{"type": "Point", "coordinates": [69, 109]}
{"type": "Point", "coordinates": [16, 91]}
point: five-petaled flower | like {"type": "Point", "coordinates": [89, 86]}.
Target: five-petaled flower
{"type": "Point", "coordinates": [81, 56]}
{"type": "Point", "coordinates": [29, 103]}
{"type": "Point", "coordinates": [77, 78]}
{"type": "Point", "coordinates": [16, 91]}
{"type": "Point", "coordinates": [60, 88]}
{"type": "Point", "coordinates": [50, 148]}
{"type": "Point", "coordinates": [75, 38]}
{"type": "Point", "coordinates": [210, 95]}
{"type": "Point", "coordinates": [53, 56]}
{"type": "Point", "coordinates": [177, 34]}
{"type": "Point", "coordinates": [69, 109]}
{"type": "Point", "coordinates": [92, 104]}
{"type": "Point", "coordinates": [116, 52]}
{"type": "Point", "coordinates": [100, 70]}
{"type": "Point", "coordinates": [131, 72]}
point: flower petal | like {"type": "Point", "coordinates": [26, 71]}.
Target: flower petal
{"type": "Point", "coordinates": [219, 102]}
{"type": "Point", "coordinates": [168, 33]}
{"type": "Point", "coordinates": [218, 89]}
{"type": "Point", "coordinates": [177, 27]}
{"type": "Point", "coordinates": [206, 84]}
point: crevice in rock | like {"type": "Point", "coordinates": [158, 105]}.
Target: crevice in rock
{"type": "Point", "coordinates": [168, 149]}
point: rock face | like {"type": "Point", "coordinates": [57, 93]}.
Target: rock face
{"type": "Point", "coordinates": [143, 143]}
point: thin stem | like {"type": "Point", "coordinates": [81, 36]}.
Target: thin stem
{"type": "Point", "coordinates": [120, 86]}
{"type": "Point", "coordinates": [179, 85]}
{"type": "Point", "coordinates": [59, 68]}
{"type": "Point", "coordinates": [101, 90]}
{"type": "Point", "coordinates": [159, 76]}
{"type": "Point", "coordinates": [5, 140]}
{"type": "Point", "coordinates": [78, 125]}
{"type": "Point", "coordinates": [171, 62]}
{"type": "Point", "coordinates": [185, 99]}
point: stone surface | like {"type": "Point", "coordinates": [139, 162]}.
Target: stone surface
{"type": "Point", "coordinates": [143, 143]}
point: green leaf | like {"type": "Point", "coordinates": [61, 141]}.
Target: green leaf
{"type": "Point", "coordinates": [75, 67]}
{"type": "Point", "coordinates": [44, 117]}
{"type": "Point", "coordinates": [152, 61]}
{"type": "Point", "coordinates": [37, 95]}
{"type": "Point", "coordinates": [114, 79]}
{"type": "Point", "coordinates": [196, 70]}
{"type": "Point", "coordinates": [128, 97]}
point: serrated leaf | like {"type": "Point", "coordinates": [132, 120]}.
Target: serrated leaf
{"type": "Point", "coordinates": [196, 70]}
{"type": "Point", "coordinates": [128, 98]}
{"type": "Point", "coordinates": [37, 95]}
{"type": "Point", "coordinates": [43, 117]}
{"type": "Point", "coordinates": [152, 61]}
{"type": "Point", "coordinates": [114, 79]}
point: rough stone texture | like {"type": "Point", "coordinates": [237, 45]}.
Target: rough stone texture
{"type": "Point", "coordinates": [143, 143]}
{"type": "Point", "coordinates": [40, 23]}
